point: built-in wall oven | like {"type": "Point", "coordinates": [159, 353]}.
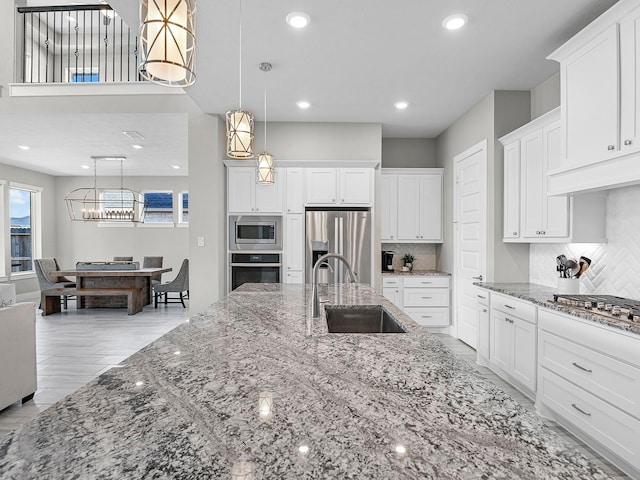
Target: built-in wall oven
{"type": "Point", "coordinates": [254, 268]}
{"type": "Point", "coordinates": [249, 232]}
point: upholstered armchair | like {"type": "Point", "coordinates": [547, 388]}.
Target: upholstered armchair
{"type": "Point", "coordinates": [46, 271]}
{"type": "Point", "coordinates": [180, 284]}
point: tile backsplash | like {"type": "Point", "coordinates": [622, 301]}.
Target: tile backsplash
{"type": "Point", "coordinates": [615, 266]}
{"type": "Point", "coordinates": [425, 254]}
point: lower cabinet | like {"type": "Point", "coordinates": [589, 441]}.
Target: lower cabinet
{"type": "Point", "coordinates": [589, 381]}
{"type": "Point", "coordinates": [425, 298]}
{"type": "Point", "coordinates": [484, 342]}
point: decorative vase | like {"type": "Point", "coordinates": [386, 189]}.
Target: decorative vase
{"type": "Point", "coordinates": [409, 266]}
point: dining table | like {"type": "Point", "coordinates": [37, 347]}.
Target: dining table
{"type": "Point", "coordinates": [102, 282]}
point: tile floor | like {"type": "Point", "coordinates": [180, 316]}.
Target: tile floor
{"type": "Point", "coordinates": [78, 345]}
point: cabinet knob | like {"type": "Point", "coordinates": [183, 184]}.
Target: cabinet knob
{"type": "Point", "coordinates": [515, 234]}
{"type": "Point", "coordinates": [333, 199]}
{"type": "Point", "coordinates": [391, 236]}
{"type": "Point", "coordinates": [288, 268]}
{"type": "Point", "coordinates": [417, 236]}
{"type": "Point", "coordinates": [288, 209]}
{"type": "Point", "coordinates": [342, 200]}
{"type": "Point", "coordinates": [611, 147]}
{"type": "Point", "coordinates": [484, 310]}
{"type": "Point", "coordinates": [627, 142]}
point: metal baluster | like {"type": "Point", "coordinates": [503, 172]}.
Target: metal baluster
{"type": "Point", "coordinates": [113, 50]}
{"type": "Point", "coordinates": [31, 62]}
{"type": "Point", "coordinates": [98, 12]}
{"type": "Point", "coordinates": [84, 45]}
{"type": "Point", "coordinates": [39, 66]}
{"type": "Point", "coordinates": [24, 47]}
{"type": "Point", "coordinates": [91, 45]}
{"type": "Point", "coordinates": [128, 53]}
{"type": "Point", "coordinates": [76, 53]}
{"type": "Point", "coordinates": [53, 64]}
{"type": "Point", "coordinates": [46, 43]}
{"type": "Point", "coordinates": [69, 45]}
{"type": "Point", "coordinates": [121, 49]}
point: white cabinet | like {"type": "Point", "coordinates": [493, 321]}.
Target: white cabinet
{"type": "Point", "coordinates": [589, 380]}
{"type": "Point", "coordinates": [392, 289]}
{"type": "Point", "coordinates": [294, 190]}
{"type": "Point", "coordinates": [246, 195]}
{"type": "Point", "coordinates": [531, 215]}
{"type": "Point", "coordinates": [389, 207]}
{"type": "Point", "coordinates": [339, 186]}
{"type": "Point", "coordinates": [512, 341]}
{"type": "Point", "coordinates": [600, 99]}
{"type": "Point", "coordinates": [484, 342]}
{"type": "Point", "coordinates": [293, 270]}
{"type": "Point", "coordinates": [414, 214]}
{"type": "Point", "coordinates": [512, 190]}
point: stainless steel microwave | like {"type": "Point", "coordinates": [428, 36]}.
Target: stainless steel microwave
{"type": "Point", "coordinates": [248, 232]}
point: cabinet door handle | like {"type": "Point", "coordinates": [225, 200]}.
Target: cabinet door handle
{"type": "Point", "coordinates": [480, 296]}
{"type": "Point", "coordinates": [580, 410]}
{"type": "Point", "coordinates": [582, 368]}
{"type": "Point", "coordinates": [515, 234]}
{"type": "Point", "coordinates": [484, 310]}
{"type": "Point", "coordinates": [426, 298]}
{"type": "Point", "coordinates": [509, 306]}
{"type": "Point", "coordinates": [479, 277]}
{"type": "Point", "coordinates": [627, 142]}
{"type": "Point", "coordinates": [611, 147]}
{"type": "Point", "coordinates": [426, 316]}
{"type": "Point", "coordinates": [426, 283]}
{"type": "Point", "coordinates": [507, 319]}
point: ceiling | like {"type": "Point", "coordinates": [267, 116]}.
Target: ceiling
{"type": "Point", "coordinates": [352, 63]}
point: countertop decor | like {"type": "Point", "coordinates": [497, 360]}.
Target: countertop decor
{"type": "Point", "coordinates": [543, 296]}
{"type": "Point", "coordinates": [253, 386]}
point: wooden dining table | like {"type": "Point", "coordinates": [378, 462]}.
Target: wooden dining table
{"type": "Point", "coordinates": [102, 282]}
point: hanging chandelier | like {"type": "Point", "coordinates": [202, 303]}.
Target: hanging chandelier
{"type": "Point", "coordinates": [93, 204]}
{"type": "Point", "coordinates": [168, 39]}
{"type": "Point", "coordinates": [266, 161]}
{"type": "Point", "coordinates": [240, 123]}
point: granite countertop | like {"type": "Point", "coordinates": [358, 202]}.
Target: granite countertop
{"type": "Point", "coordinates": [434, 273]}
{"type": "Point", "coordinates": [542, 295]}
{"type": "Point", "coordinates": [187, 406]}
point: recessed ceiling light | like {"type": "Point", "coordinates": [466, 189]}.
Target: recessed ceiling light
{"type": "Point", "coordinates": [137, 147]}
{"type": "Point", "coordinates": [86, 167]}
{"type": "Point", "coordinates": [401, 105]}
{"type": "Point", "coordinates": [454, 22]}
{"type": "Point", "coordinates": [298, 19]}
{"type": "Point", "coordinates": [303, 104]}
{"type": "Point", "coordinates": [176, 167]}
{"type": "Point", "coordinates": [23, 147]}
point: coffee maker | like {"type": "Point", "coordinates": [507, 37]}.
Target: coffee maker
{"type": "Point", "coordinates": [387, 261]}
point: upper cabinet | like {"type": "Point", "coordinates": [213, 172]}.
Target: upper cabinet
{"type": "Point", "coordinates": [411, 206]}
{"type": "Point", "coordinates": [339, 186]}
{"type": "Point", "coordinates": [246, 195]}
{"type": "Point", "coordinates": [600, 101]}
{"type": "Point", "coordinates": [531, 215]}
{"type": "Point", "coordinates": [295, 193]}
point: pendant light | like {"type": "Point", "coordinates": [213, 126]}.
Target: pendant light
{"type": "Point", "coordinates": [240, 122]}
{"type": "Point", "coordinates": [93, 204]}
{"type": "Point", "coordinates": [265, 160]}
{"type": "Point", "coordinates": [168, 38]}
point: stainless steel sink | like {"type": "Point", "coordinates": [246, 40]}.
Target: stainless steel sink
{"type": "Point", "coordinates": [361, 319]}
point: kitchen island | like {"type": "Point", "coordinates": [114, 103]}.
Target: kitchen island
{"type": "Point", "coordinates": [254, 389]}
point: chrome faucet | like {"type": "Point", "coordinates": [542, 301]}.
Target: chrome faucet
{"type": "Point", "coordinates": [315, 302]}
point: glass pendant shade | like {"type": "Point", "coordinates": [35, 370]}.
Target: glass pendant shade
{"type": "Point", "coordinates": [240, 125]}
{"type": "Point", "coordinates": [167, 37]}
{"type": "Point", "coordinates": [266, 168]}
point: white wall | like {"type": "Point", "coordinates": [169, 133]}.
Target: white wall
{"type": "Point", "coordinates": [615, 267]}
{"type": "Point", "coordinates": [90, 241]}
{"type": "Point", "coordinates": [546, 96]}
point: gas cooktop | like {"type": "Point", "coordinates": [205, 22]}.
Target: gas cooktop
{"type": "Point", "coordinates": [606, 305]}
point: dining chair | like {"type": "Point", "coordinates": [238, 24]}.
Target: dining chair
{"type": "Point", "coordinates": [123, 259]}
{"type": "Point", "coordinates": [180, 285]}
{"type": "Point", "coordinates": [153, 262]}
{"type": "Point", "coordinates": [46, 269]}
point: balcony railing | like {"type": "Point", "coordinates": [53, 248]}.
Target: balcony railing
{"type": "Point", "coordinates": [88, 43]}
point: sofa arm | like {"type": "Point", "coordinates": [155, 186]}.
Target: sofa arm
{"type": "Point", "coordinates": [18, 372]}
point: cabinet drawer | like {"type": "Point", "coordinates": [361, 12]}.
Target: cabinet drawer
{"type": "Point", "coordinates": [426, 297]}
{"type": "Point", "coordinates": [429, 282]}
{"type": "Point", "coordinates": [429, 317]}
{"type": "Point", "coordinates": [614, 429]}
{"type": "Point", "coordinates": [514, 306]}
{"type": "Point", "coordinates": [609, 341]}
{"type": "Point", "coordinates": [391, 281]}
{"type": "Point", "coordinates": [608, 378]}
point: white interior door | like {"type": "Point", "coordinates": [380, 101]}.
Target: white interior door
{"type": "Point", "coordinates": [470, 233]}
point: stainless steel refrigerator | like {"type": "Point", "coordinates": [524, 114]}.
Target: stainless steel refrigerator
{"type": "Point", "coordinates": [336, 230]}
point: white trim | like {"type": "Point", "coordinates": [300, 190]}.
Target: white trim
{"type": "Point", "coordinates": [106, 224]}
{"type": "Point", "coordinates": [24, 186]}
{"type": "Point", "coordinates": [90, 88]}
{"type": "Point", "coordinates": [412, 171]}
{"type": "Point", "coordinates": [156, 225]}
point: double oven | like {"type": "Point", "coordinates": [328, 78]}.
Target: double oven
{"type": "Point", "coordinates": [255, 249]}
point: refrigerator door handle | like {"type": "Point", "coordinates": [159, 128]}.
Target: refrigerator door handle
{"type": "Point", "coordinates": [337, 246]}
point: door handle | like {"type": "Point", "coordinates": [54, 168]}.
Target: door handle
{"type": "Point", "coordinates": [479, 277]}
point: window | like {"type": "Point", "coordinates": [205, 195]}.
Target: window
{"type": "Point", "coordinates": [159, 207]}
{"type": "Point", "coordinates": [183, 212]}
{"type": "Point", "coordinates": [24, 213]}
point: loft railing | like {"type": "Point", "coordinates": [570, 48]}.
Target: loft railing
{"type": "Point", "coordinates": [69, 44]}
